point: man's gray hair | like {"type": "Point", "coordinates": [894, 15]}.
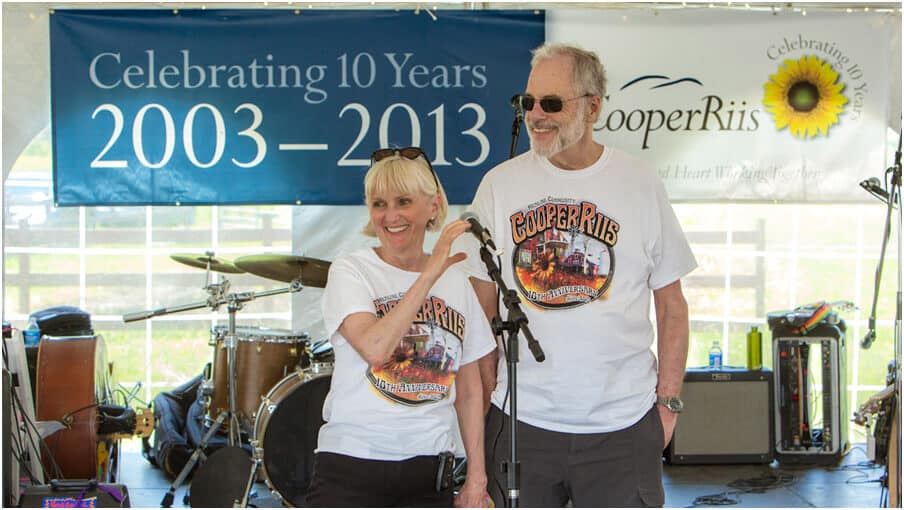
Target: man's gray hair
{"type": "Point", "coordinates": [589, 74]}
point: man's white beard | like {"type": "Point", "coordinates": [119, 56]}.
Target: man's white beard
{"type": "Point", "coordinates": [567, 135]}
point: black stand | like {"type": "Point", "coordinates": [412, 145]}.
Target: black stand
{"type": "Point", "coordinates": [516, 322]}
{"type": "Point", "coordinates": [234, 302]}
{"type": "Point", "coordinates": [516, 124]}
{"type": "Point", "coordinates": [892, 198]}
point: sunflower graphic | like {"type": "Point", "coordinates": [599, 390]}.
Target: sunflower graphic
{"type": "Point", "coordinates": [401, 358]}
{"type": "Point", "coordinates": [804, 96]}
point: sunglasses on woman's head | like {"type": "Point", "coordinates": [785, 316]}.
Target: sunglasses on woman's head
{"type": "Point", "coordinates": [411, 153]}
{"type": "Point", "coordinates": [549, 104]}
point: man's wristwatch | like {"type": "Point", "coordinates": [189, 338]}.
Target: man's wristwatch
{"type": "Point", "coordinates": [673, 404]}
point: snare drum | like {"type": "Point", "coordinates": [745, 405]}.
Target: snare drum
{"type": "Point", "coordinates": [286, 429]}
{"type": "Point", "coordinates": [263, 356]}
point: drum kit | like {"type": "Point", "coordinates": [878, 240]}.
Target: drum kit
{"type": "Point", "coordinates": [268, 384]}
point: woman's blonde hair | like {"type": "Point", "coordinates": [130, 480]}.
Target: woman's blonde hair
{"type": "Point", "coordinates": [396, 174]}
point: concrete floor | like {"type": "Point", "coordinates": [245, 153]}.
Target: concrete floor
{"type": "Point", "coordinates": [851, 484]}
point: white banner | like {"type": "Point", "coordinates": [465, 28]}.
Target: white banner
{"type": "Point", "coordinates": [745, 105]}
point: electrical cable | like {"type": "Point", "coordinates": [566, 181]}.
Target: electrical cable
{"type": "Point", "coordinates": [501, 425]}
{"type": "Point", "coordinates": [41, 443]}
{"type": "Point", "coordinates": [756, 485]}
{"type": "Point", "coordinates": [501, 339]}
{"type": "Point", "coordinates": [20, 416]}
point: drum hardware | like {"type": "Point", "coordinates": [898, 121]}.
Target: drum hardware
{"type": "Point", "coordinates": [252, 475]}
{"type": "Point", "coordinates": [278, 441]}
{"type": "Point", "coordinates": [263, 357]}
{"type": "Point", "coordinates": [218, 295]}
{"type": "Point", "coordinates": [206, 387]}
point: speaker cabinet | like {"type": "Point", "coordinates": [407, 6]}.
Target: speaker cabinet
{"type": "Point", "coordinates": [727, 418]}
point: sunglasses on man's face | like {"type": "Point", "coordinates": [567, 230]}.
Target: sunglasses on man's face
{"type": "Point", "coordinates": [411, 153]}
{"type": "Point", "coordinates": [549, 104]}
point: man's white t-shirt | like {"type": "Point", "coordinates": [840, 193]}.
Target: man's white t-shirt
{"type": "Point", "coordinates": [583, 249]}
{"type": "Point", "coordinates": [405, 407]}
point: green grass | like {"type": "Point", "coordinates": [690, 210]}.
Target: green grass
{"type": "Point", "coordinates": [178, 350]}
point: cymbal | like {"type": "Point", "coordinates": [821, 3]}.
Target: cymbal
{"type": "Point", "coordinates": [285, 268]}
{"type": "Point", "coordinates": [201, 261]}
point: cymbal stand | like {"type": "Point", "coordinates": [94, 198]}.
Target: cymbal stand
{"type": "Point", "coordinates": [234, 302]}
{"type": "Point", "coordinates": [256, 446]}
{"type": "Point", "coordinates": [216, 291]}
{"type": "Point", "coordinates": [195, 457]}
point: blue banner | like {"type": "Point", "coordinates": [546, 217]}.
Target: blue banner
{"type": "Point", "coordinates": [193, 107]}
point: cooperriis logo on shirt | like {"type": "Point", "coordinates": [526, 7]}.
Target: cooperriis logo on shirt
{"type": "Point", "coordinates": [563, 253]}
{"type": "Point", "coordinates": [422, 368]}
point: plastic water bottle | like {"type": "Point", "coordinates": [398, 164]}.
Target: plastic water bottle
{"type": "Point", "coordinates": [715, 355]}
{"type": "Point", "coordinates": [32, 334]}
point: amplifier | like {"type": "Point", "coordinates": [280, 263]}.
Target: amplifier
{"type": "Point", "coordinates": [727, 417]}
{"type": "Point", "coordinates": [811, 413]}
{"type": "Point", "coordinates": [75, 494]}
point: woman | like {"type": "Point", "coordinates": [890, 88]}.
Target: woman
{"type": "Point", "coordinates": [406, 329]}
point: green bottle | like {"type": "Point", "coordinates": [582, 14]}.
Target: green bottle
{"type": "Point", "coordinates": [754, 349]}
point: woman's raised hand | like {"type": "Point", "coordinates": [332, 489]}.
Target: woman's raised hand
{"type": "Point", "coordinates": [440, 259]}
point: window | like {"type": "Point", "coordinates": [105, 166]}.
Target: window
{"type": "Point", "coordinates": [110, 261]}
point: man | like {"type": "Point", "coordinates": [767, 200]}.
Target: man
{"type": "Point", "coordinates": [595, 416]}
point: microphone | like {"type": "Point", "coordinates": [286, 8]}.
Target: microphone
{"type": "Point", "coordinates": [870, 336]}
{"type": "Point", "coordinates": [874, 186]}
{"type": "Point", "coordinates": [483, 235]}
{"type": "Point", "coordinates": [516, 105]}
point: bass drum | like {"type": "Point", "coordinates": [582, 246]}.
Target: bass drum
{"type": "Point", "coordinates": [286, 428]}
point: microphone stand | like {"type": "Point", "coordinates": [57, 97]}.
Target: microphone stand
{"type": "Point", "coordinates": [516, 124]}
{"type": "Point", "coordinates": [516, 322]}
{"type": "Point", "coordinates": [894, 195]}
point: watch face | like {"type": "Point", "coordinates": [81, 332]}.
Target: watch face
{"type": "Point", "coordinates": [673, 404]}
